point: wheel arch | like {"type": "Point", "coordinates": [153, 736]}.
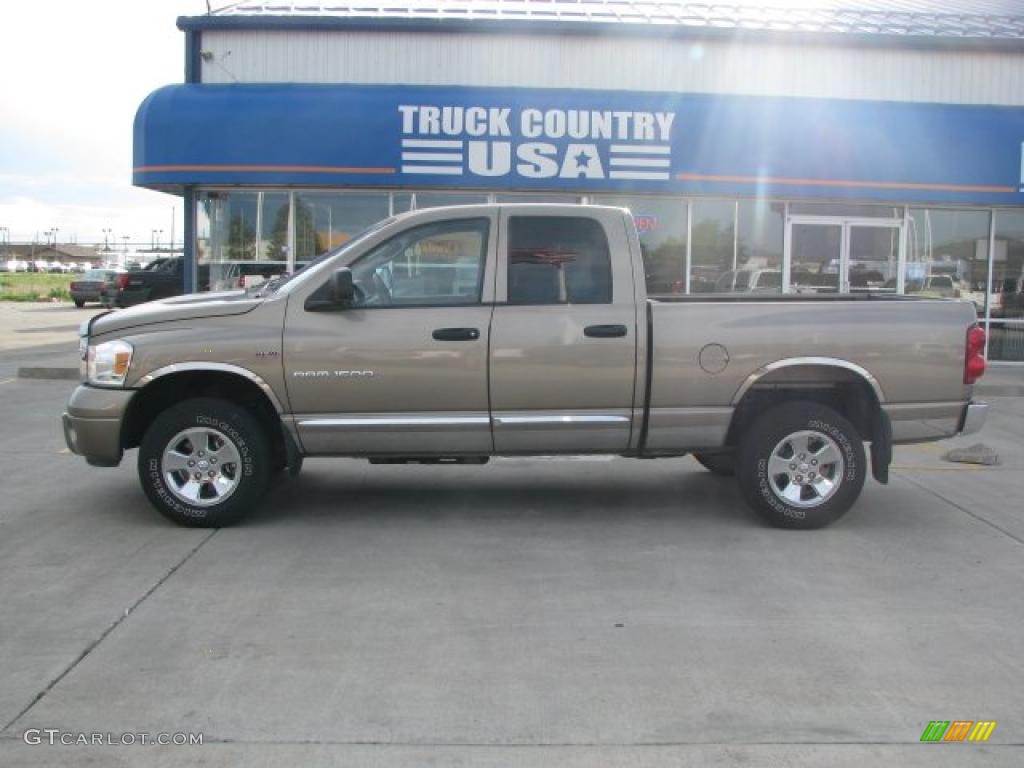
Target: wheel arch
{"type": "Point", "coordinates": [848, 388]}
{"type": "Point", "coordinates": [172, 384]}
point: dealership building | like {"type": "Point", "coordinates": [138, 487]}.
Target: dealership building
{"type": "Point", "coordinates": [859, 145]}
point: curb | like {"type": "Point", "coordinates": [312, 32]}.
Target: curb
{"type": "Point", "coordinates": [60, 374]}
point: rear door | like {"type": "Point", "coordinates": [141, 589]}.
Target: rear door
{"type": "Point", "coordinates": [564, 332]}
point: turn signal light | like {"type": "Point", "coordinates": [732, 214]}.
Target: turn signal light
{"type": "Point", "coordinates": [974, 355]}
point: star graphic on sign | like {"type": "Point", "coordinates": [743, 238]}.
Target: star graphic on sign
{"type": "Point", "coordinates": [582, 160]}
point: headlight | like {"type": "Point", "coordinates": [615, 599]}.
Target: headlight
{"type": "Point", "coordinates": [107, 363]}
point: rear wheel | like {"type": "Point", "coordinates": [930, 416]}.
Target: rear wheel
{"type": "Point", "coordinates": [204, 463]}
{"type": "Point", "coordinates": [723, 464]}
{"type": "Point", "coordinates": [801, 465]}
{"type": "Point", "coordinates": [79, 303]}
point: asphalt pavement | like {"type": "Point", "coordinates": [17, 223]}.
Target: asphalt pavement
{"type": "Point", "coordinates": [527, 613]}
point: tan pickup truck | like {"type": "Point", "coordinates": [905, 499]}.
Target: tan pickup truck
{"type": "Point", "coordinates": [454, 334]}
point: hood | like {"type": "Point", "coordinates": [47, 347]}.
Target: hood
{"type": "Point", "coordinates": [190, 307]}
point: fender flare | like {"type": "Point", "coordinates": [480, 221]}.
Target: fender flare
{"type": "Point", "coordinates": [793, 362]}
{"type": "Point", "coordinates": [191, 367]}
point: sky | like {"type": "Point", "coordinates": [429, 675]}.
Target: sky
{"type": "Point", "coordinates": [72, 74]}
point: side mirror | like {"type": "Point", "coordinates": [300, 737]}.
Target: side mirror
{"type": "Point", "coordinates": [342, 289]}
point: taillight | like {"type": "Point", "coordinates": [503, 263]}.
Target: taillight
{"type": "Point", "coordinates": [74, 287]}
{"type": "Point", "coordinates": [121, 281]}
{"type": "Point", "coordinates": [974, 354]}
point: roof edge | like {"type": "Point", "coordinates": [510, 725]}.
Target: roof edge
{"type": "Point", "coordinates": [592, 28]}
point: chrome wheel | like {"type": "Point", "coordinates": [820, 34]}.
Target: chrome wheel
{"type": "Point", "coordinates": [805, 469]}
{"type": "Point", "coordinates": [201, 466]}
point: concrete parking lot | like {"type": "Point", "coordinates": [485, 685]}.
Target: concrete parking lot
{"type": "Point", "coordinates": [526, 613]}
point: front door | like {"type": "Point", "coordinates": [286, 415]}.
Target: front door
{"type": "Point", "coordinates": [403, 371]}
{"type": "Point", "coordinates": [845, 255]}
{"type": "Point", "coordinates": [564, 334]}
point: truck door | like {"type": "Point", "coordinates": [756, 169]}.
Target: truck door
{"type": "Point", "coordinates": [403, 371]}
{"type": "Point", "coordinates": [564, 333]}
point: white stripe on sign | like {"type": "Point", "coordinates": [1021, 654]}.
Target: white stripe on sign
{"type": "Point", "coordinates": [642, 149]}
{"type": "Point", "coordinates": [442, 170]}
{"type": "Point", "coordinates": [638, 175]}
{"type": "Point", "coordinates": [641, 162]}
{"type": "Point", "coordinates": [430, 144]}
{"type": "Point", "coordinates": [430, 157]}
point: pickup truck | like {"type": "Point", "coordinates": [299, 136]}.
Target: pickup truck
{"type": "Point", "coordinates": [160, 279]}
{"type": "Point", "coordinates": [451, 335]}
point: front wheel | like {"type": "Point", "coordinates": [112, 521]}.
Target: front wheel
{"type": "Point", "coordinates": [204, 463]}
{"type": "Point", "coordinates": [801, 465]}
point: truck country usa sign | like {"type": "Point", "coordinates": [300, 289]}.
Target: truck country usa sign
{"type": "Point", "coordinates": [499, 141]}
{"type": "Point", "coordinates": [576, 141]}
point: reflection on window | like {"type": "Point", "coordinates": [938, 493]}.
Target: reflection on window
{"type": "Point", "coordinates": [758, 247]}
{"type": "Point", "coordinates": [713, 243]}
{"type": "Point", "coordinates": [438, 199]}
{"type": "Point", "coordinates": [661, 224]}
{"type": "Point", "coordinates": [947, 254]}
{"type": "Point", "coordinates": [438, 264]}
{"type": "Point", "coordinates": [1006, 332]}
{"type": "Point", "coordinates": [327, 220]}
{"type": "Point", "coordinates": [558, 260]}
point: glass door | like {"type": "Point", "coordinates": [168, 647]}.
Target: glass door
{"type": "Point", "coordinates": [825, 254]}
{"type": "Point", "coordinates": [815, 256]}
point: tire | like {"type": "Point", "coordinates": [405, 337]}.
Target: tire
{"type": "Point", "coordinates": [722, 464]}
{"type": "Point", "coordinates": [79, 303]}
{"type": "Point", "coordinates": [201, 430]}
{"type": "Point", "coordinates": [789, 498]}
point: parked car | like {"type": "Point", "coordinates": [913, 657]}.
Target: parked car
{"type": "Point", "coordinates": [160, 279]}
{"type": "Point", "coordinates": [17, 265]}
{"type": "Point", "coordinates": [90, 286]}
{"type": "Point", "coordinates": [383, 349]}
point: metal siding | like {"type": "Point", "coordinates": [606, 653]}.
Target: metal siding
{"type": "Point", "coordinates": [549, 61]}
{"type": "Point", "coordinates": [657, 65]}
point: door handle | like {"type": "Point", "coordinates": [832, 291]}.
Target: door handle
{"type": "Point", "coordinates": [605, 331]}
{"type": "Point", "coordinates": [456, 334]}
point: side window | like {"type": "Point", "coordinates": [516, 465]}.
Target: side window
{"type": "Point", "coordinates": [432, 265]}
{"type": "Point", "coordinates": [558, 260]}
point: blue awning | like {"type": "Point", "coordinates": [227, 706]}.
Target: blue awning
{"type": "Point", "coordinates": [577, 140]}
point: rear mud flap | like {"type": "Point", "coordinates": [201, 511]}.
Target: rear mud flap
{"type": "Point", "coordinates": [881, 446]}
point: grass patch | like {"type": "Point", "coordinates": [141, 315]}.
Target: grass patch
{"type": "Point", "coordinates": [33, 286]}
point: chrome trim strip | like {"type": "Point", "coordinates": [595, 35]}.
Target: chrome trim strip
{"type": "Point", "coordinates": [790, 362]}
{"type": "Point", "coordinates": [218, 367]}
{"type": "Point", "coordinates": [398, 421]}
{"type": "Point", "coordinates": [562, 419]}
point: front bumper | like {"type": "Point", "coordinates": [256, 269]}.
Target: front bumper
{"type": "Point", "coordinates": [974, 418]}
{"type": "Point", "coordinates": [92, 424]}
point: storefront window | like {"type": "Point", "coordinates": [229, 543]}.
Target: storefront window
{"type": "Point", "coordinates": [759, 246]}
{"type": "Point", "coordinates": [1006, 331]}
{"type": "Point", "coordinates": [947, 254]}
{"type": "Point", "coordinates": [661, 223]}
{"type": "Point", "coordinates": [714, 259]}
{"type": "Point", "coordinates": [846, 210]}
{"type": "Point", "coordinates": [327, 220]}
{"type": "Point", "coordinates": [438, 199]}
{"type": "Point", "coordinates": [526, 197]}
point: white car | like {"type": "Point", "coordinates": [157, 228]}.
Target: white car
{"type": "Point", "coordinates": [16, 265]}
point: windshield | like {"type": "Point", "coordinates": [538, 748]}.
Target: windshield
{"type": "Point", "coordinates": [272, 286]}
